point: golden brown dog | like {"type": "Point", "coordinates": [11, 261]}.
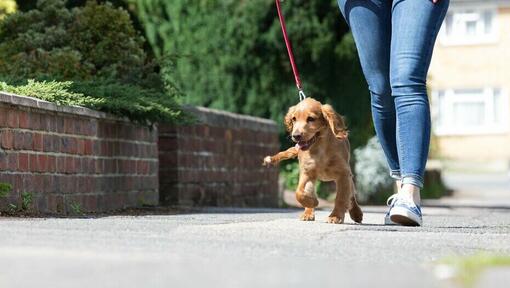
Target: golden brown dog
{"type": "Point", "coordinates": [323, 151]}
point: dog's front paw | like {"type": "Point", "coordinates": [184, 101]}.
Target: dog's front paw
{"type": "Point", "coordinates": [335, 219]}
{"type": "Point", "coordinates": [307, 216]}
{"type": "Point", "coordinates": [267, 161]}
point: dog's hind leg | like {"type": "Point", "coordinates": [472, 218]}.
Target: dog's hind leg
{"type": "Point", "coordinates": [354, 210]}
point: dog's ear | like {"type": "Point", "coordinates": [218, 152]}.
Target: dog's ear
{"type": "Point", "coordinates": [336, 122]}
{"type": "Point", "coordinates": [288, 119]}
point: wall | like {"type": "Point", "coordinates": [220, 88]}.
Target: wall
{"type": "Point", "coordinates": [217, 162]}
{"type": "Point", "coordinates": [73, 159]}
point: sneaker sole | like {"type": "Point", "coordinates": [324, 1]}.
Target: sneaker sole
{"type": "Point", "coordinates": [404, 217]}
{"type": "Point", "coordinates": [387, 221]}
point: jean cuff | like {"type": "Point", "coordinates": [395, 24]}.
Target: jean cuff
{"type": "Point", "coordinates": [413, 179]}
{"type": "Point", "coordinates": [395, 174]}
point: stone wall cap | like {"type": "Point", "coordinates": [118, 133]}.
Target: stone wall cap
{"type": "Point", "coordinates": [36, 103]}
{"type": "Point", "coordinates": [227, 119]}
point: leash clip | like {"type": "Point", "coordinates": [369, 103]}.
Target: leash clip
{"type": "Point", "coordinates": [302, 95]}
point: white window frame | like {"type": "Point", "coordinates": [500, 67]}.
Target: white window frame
{"type": "Point", "coordinates": [447, 128]}
{"type": "Point", "coordinates": [448, 40]}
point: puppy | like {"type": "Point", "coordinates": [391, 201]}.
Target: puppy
{"type": "Point", "coordinates": [323, 151]}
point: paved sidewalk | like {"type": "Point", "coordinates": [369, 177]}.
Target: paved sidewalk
{"type": "Point", "coordinates": [242, 248]}
{"type": "Point", "coordinates": [476, 190]}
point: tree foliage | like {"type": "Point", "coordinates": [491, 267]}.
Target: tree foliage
{"type": "Point", "coordinates": [230, 55]}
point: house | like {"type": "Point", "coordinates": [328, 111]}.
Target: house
{"type": "Point", "coordinates": [469, 83]}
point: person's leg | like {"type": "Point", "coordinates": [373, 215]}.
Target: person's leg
{"type": "Point", "coordinates": [370, 23]}
{"type": "Point", "coordinates": [415, 25]}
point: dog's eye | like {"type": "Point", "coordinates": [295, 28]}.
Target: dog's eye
{"type": "Point", "coordinates": [310, 119]}
{"type": "Point", "coordinates": [293, 119]}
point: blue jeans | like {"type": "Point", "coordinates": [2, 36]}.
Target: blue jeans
{"type": "Point", "coordinates": [395, 40]}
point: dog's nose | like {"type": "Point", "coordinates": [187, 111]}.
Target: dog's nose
{"type": "Point", "coordinates": [297, 137]}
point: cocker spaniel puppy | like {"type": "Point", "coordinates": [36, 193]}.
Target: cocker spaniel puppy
{"type": "Point", "coordinates": [323, 151]}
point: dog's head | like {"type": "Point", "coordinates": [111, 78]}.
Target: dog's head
{"type": "Point", "coordinates": [306, 120]}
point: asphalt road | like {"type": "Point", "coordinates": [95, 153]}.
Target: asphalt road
{"type": "Point", "coordinates": [242, 248]}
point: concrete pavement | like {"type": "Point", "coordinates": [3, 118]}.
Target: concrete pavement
{"type": "Point", "coordinates": [242, 248]}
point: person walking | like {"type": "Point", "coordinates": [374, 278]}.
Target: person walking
{"type": "Point", "coordinates": [395, 40]}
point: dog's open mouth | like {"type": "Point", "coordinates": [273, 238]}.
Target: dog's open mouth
{"type": "Point", "coordinates": [305, 145]}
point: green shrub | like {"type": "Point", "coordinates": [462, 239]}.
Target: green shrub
{"type": "Point", "coordinates": [138, 104]}
{"type": "Point", "coordinates": [58, 43]}
{"type": "Point", "coordinates": [290, 173]}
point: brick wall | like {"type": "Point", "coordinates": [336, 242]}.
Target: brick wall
{"type": "Point", "coordinates": [217, 162]}
{"type": "Point", "coordinates": [72, 158]}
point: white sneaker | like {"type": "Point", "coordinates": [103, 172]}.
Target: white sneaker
{"type": "Point", "coordinates": [403, 211]}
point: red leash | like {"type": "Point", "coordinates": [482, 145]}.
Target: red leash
{"type": "Point", "coordinates": [289, 50]}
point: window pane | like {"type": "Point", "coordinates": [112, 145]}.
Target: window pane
{"type": "Point", "coordinates": [469, 92]}
{"type": "Point", "coordinates": [441, 108]}
{"type": "Point", "coordinates": [468, 114]}
{"type": "Point", "coordinates": [498, 106]}
{"type": "Point", "coordinates": [471, 28]}
{"type": "Point", "coordinates": [448, 23]}
{"type": "Point", "coordinates": [487, 21]}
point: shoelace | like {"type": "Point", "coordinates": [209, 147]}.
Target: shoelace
{"type": "Point", "coordinates": [395, 197]}
{"type": "Point", "coordinates": [391, 200]}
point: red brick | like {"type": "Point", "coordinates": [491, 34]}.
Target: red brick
{"type": "Point", "coordinates": [70, 168]}
{"type": "Point", "coordinates": [51, 164]}
{"type": "Point", "coordinates": [68, 125]}
{"type": "Point", "coordinates": [3, 117]}
{"type": "Point", "coordinates": [61, 164]}
{"type": "Point", "coordinates": [18, 140]}
{"type": "Point", "coordinates": [34, 121]}
{"type": "Point", "coordinates": [59, 124]}
{"type": "Point", "coordinates": [87, 146]}
{"type": "Point", "coordinates": [23, 162]}
{"type": "Point", "coordinates": [33, 165]}
{"type": "Point", "coordinates": [56, 145]}
{"type": "Point", "coordinates": [77, 165]}
{"type": "Point", "coordinates": [168, 144]}
{"type": "Point", "coordinates": [37, 141]}
{"type": "Point", "coordinates": [91, 203]}
{"type": "Point", "coordinates": [7, 138]}
{"type": "Point", "coordinates": [23, 118]}
{"type": "Point", "coordinates": [27, 141]}
{"type": "Point", "coordinates": [99, 166]}
{"type": "Point", "coordinates": [71, 145]}
{"type": "Point", "coordinates": [12, 161]}
{"type": "Point", "coordinates": [80, 143]}
{"type": "Point", "coordinates": [77, 129]}
{"type": "Point", "coordinates": [43, 162]}
{"type": "Point", "coordinates": [12, 118]}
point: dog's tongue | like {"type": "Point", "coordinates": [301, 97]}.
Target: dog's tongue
{"type": "Point", "coordinates": [303, 145]}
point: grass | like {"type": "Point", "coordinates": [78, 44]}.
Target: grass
{"type": "Point", "coordinates": [467, 270]}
